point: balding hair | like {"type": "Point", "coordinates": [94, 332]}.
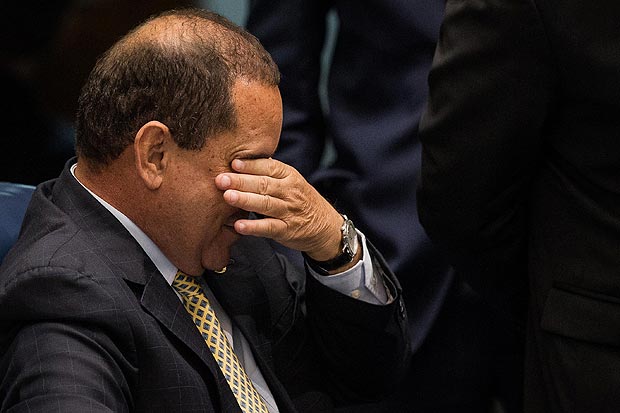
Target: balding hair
{"type": "Point", "coordinates": [178, 68]}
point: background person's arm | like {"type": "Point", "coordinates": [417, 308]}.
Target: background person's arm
{"type": "Point", "coordinates": [490, 91]}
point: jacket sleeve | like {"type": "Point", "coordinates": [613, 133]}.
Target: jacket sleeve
{"type": "Point", "coordinates": [69, 357]}
{"type": "Point", "coordinates": [490, 89]}
{"type": "Point", "coordinates": [364, 347]}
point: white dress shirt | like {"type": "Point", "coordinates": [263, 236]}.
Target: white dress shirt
{"type": "Point", "coordinates": [359, 282]}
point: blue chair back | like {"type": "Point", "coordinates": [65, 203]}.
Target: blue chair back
{"type": "Point", "coordinates": [14, 199]}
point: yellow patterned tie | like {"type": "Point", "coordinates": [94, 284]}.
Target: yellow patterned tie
{"type": "Point", "coordinates": [204, 317]}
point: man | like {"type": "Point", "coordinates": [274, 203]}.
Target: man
{"type": "Point", "coordinates": [520, 181]}
{"type": "Point", "coordinates": [376, 91]}
{"type": "Point", "coordinates": [131, 288]}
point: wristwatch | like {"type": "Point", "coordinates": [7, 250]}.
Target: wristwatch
{"type": "Point", "coordinates": [350, 244]}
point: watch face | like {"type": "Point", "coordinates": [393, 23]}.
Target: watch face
{"type": "Point", "coordinates": [350, 238]}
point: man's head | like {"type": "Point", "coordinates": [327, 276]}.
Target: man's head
{"type": "Point", "coordinates": [165, 111]}
{"type": "Point", "coordinates": [178, 68]}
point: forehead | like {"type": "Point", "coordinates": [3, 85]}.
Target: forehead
{"type": "Point", "coordinates": [259, 119]}
{"type": "Point", "coordinates": [256, 99]}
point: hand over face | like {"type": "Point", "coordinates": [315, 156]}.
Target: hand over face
{"type": "Point", "coordinates": [295, 214]}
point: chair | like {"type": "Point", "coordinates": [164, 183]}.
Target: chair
{"type": "Point", "coordinates": [14, 199]}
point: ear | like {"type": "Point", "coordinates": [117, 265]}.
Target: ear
{"type": "Point", "coordinates": [151, 152]}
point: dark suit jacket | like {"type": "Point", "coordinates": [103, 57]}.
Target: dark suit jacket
{"type": "Point", "coordinates": [89, 324]}
{"type": "Point", "coordinates": [521, 178]}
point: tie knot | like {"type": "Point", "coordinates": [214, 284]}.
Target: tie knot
{"type": "Point", "coordinates": [186, 284]}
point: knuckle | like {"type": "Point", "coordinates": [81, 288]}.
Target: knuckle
{"type": "Point", "coordinates": [278, 169]}
{"type": "Point", "coordinates": [239, 182]}
{"type": "Point", "coordinates": [242, 201]}
{"type": "Point", "coordinates": [263, 185]}
{"type": "Point", "coordinates": [267, 202]}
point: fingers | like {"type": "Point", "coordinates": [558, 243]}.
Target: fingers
{"type": "Point", "coordinates": [266, 227]}
{"type": "Point", "coordinates": [261, 204]}
{"type": "Point", "coordinates": [294, 213]}
{"type": "Point", "coordinates": [261, 166]}
{"type": "Point", "coordinates": [262, 185]}
{"type": "Point", "coordinates": [258, 176]}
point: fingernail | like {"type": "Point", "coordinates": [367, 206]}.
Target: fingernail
{"type": "Point", "coordinates": [233, 197]}
{"type": "Point", "coordinates": [225, 181]}
{"type": "Point", "coordinates": [238, 164]}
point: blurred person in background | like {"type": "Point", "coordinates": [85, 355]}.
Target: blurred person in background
{"type": "Point", "coordinates": [521, 182]}
{"type": "Point", "coordinates": [358, 145]}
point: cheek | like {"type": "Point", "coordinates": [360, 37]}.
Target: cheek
{"type": "Point", "coordinates": [205, 198]}
{"type": "Point", "coordinates": [202, 206]}
{"type": "Point", "coordinates": [193, 215]}
{"type": "Point", "coordinates": [212, 211]}
{"type": "Point", "coordinates": [215, 204]}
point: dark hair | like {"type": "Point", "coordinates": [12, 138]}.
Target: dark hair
{"type": "Point", "coordinates": [178, 68]}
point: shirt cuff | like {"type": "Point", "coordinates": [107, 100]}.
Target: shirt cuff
{"type": "Point", "coordinates": [361, 281]}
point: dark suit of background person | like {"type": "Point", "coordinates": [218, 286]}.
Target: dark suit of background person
{"type": "Point", "coordinates": [88, 322]}
{"type": "Point", "coordinates": [376, 92]}
{"type": "Point", "coordinates": [521, 180]}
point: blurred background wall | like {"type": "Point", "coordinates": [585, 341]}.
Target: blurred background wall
{"type": "Point", "coordinates": [46, 51]}
{"type": "Point", "coordinates": [235, 10]}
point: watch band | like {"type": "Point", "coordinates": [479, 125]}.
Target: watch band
{"type": "Point", "coordinates": [349, 245]}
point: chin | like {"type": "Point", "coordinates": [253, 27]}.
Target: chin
{"type": "Point", "coordinates": [216, 259]}
{"type": "Point", "coordinates": [217, 255]}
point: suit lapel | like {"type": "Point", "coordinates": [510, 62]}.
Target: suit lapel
{"type": "Point", "coordinates": [163, 304]}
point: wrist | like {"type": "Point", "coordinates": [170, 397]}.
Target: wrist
{"type": "Point", "coordinates": [349, 252]}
